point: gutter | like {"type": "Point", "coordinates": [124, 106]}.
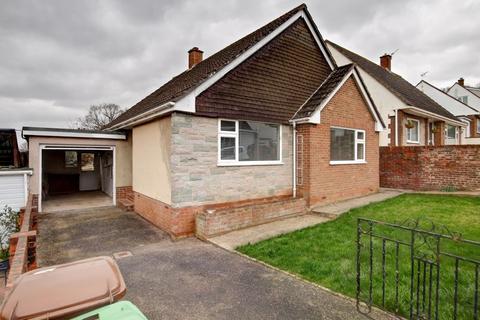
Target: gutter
{"type": "Point", "coordinates": [434, 115]}
{"type": "Point", "coordinates": [143, 116]}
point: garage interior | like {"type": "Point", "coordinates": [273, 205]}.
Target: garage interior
{"type": "Point", "coordinates": [77, 179]}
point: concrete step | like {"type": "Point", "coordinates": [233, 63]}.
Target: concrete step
{"type": "Point", "coordinates": [126, 205]}
{"type": "Point", "coordinates": [334, 210]}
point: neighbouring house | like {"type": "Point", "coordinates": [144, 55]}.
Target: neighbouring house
{"type": "Point", "coordinates": [469, 115]}
{"type": "Point", "coordinates": [265, 128]}
{"type": "Point", "coordinates": [412, 118]}
{"type": "Point", "coordinates": [13, 177]}
{"type": "Point", "coordinates": [467, 94]}
{"type": "Point", "coordinates": [9, 150]}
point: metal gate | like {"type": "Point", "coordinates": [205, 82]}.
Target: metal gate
{"type": "Point", "coordinates": [416, 269]}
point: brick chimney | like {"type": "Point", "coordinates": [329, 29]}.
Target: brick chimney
{"type": "Point", "coordinates": [461, 82]}
{"type": "Point", "coordinates": [386, 61]}
{"type": "Point", "coordinates": [195, 56]}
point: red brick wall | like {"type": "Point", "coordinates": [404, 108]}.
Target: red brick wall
{"type": "Point", "coordinates": [430, 168]}
{"type": "Point", "coordinates": [125, 193]}
{"type": "Point", "coordinates": [180, 222]}
{"type": "Point", "coordinates": [157, 212]}
{"type": "Point", "coordinates": [325, 183]}
{"type": "Point", "coordinates": [215, 222]}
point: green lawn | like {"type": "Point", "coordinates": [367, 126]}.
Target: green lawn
{"type": "Point", "coordinates": [326, 253]}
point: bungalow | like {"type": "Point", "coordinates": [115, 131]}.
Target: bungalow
{"type": "Point", "coordinates": [469, 115]}
{"type": "Point", "coordinates": [412, 118]}
{"type": "Point", "coordinates": [467, 94]}
{"type": "Point", "coordinates": [265, 128]}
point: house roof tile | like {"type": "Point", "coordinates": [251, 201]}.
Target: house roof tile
{"type": "Point", "coordinates": [400, 87]}
{"type": "Point", "coordinates": [180, 85]}
{"type": "Point", "coordinates": [330, 83]}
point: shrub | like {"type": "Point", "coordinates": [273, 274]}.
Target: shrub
{"type": "Point", "coordinates": [8, 225]}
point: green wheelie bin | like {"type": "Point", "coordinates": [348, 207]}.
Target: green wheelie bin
{"type": "Point", "coordinates": [123, 310]}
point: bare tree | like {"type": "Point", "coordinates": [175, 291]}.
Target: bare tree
{"type": "Point", "coordinates": [98, 116]}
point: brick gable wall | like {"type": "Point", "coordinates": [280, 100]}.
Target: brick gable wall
{"type": "Point", "coordinates": [322, 182]}
{"type": "Point", "coordinates": [273, 83]}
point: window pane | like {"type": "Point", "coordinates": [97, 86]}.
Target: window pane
{"type": "Point", "coordinates": [412, 133]}
{"type": "Point", "coordinates": [360, 150]}
{"type": "Point", "coordinates": [227, 126]}
{"type": "Point", "coordinates": [478, 125]}
{"type": "Point", "coordinates": [227, 148]}
{"type": "Point", "coordinates": [258, 141]}
{"type": "Point", "coordinates": [342, 144]}
{"type": "Point", "coordinates": [360, 135]}
{"type": "Point", "coordinates": [87, 162]}
{"type": "Point", "coordinates": [71, 159]}
{"type": "Point", "coordinates": [450, 132]}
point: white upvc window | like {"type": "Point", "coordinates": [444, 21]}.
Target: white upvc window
{"type": "Point", "coordinates": [347, 146]}
{"type": "Point", "coordinates": [451, 132]}
{"type": "Point", "coordinates": [478, 125]}
{"type": "Point", "coordinates": [413, 132]}
{"type": "Point", "coordinates": [244, 142]}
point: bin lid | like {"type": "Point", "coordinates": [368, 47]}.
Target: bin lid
{"type": "Point", "coordinates": [123, 310]}
{"type": "Point", "coordinates": [64, 290]}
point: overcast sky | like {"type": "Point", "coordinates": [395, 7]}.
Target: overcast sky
{"type": "Point", "coordinates": [59, 57]}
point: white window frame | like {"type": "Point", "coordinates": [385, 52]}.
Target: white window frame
{"type": "Point", "coordinates": [418, 131]}
{"type": "Point", "coordinates": [446, 132]}
{"type": "Point", "coordinates": [357, 142]}
{"type": "Point", "coordinates": [236, 135]}
{"type": "Point", "coordinates": [478, 125]}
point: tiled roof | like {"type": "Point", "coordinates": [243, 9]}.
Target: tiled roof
{"type": "Point", "coordinates": [400, 87]}
{"type": "Point", "coordinates": [323, 91]}
{"type": "Point", "coordinates": [180, 85]}
{"type": "Point", "coordinates": [273, 83]}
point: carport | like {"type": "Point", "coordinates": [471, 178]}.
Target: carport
{"type": "Point", "coordinates": [75, 169]}
{"type": "Point", "coordinates": [74, 177]}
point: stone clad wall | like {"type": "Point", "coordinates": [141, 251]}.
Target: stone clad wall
{"type": "Point", "coordinates": [198, 180]}
{"type": "Point", "coordinates": [430, 168]}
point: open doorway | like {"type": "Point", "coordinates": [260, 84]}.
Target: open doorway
{"type": "Point", "coordinates": [76, 178]}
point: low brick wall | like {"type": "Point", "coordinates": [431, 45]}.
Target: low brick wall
{"type": "Point", "coordinates": [214, 222]}
{"type": "Point", "coordinates": [430, 168]}
{"type": "Point", "coordinates": [183, 221]}
{"type": "Point", "coordinates": [125, 193]}
{"type": "Point", "coordinates": [23, 243]}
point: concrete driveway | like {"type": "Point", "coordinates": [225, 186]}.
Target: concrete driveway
{"type": "Point", "coordinates": [186, 279]}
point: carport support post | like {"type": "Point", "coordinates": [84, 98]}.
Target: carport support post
{"type": "Point", "coordinates": [40, 168]}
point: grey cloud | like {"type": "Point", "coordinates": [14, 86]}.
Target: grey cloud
{"type": "Point", "coordinates": [58, 57]}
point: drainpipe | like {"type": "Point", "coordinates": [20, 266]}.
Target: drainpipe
{"type": "Point", "coordinates": [294, 174]}
{"type": "Point", "coordinates": [396, 127]}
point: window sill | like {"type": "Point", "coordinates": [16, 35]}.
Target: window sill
{"type": "Point", "coordinates": [415, 142]}
{"type": "Point", "coordinates": [251, 163]}
{"type": "Point", "coordinates": [348, 162]}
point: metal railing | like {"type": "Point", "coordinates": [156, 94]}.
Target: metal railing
{"type": "Point", "coordinates": [416, 269]}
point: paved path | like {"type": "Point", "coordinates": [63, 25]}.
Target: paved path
{"type": "Point", "coordinates": [321, 214]}
{"type": "Point", "coordinates": [336, 209]}
{"type": "Point", "coordinates": [255, 234]}
{"type": "Point", "coordinates": [187, 279]}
